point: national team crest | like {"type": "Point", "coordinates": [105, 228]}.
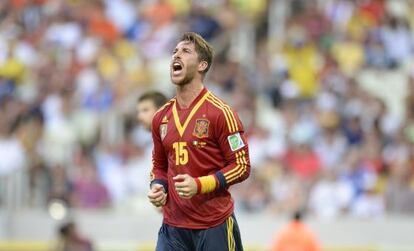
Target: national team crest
{"type": "Point", "coordinates": [163, 131]}
{"type": "Point", "coordinates": [201, 128]}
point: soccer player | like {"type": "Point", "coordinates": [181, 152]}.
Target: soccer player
{"type": "Point", "coordinates": [148, 103]}
{"type": "Point", "coordinates": [136, 179]}
{"type": "Point", "coordinates": [199, 151]}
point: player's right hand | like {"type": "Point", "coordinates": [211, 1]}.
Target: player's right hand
{"type": "Point", "coordinates": [157, 195]}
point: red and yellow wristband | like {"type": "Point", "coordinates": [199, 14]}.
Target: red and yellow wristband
{"type": "Point", "coordinates": [207, 184]}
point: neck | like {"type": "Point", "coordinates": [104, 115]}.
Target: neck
{"type": "Point", "coordinates": [187, 93]}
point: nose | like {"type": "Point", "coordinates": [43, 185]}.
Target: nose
{"type": "Point", "coordinates": [177, 55]}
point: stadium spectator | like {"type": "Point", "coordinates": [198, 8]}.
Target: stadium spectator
{"type": "Point", "coordinates": [88, 190]}
{"type": "Point", "coordinates": [295, 236]}
{"type": "Point", "coordinates": [334, 76]}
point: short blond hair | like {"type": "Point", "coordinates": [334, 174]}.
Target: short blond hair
{"type": "Point", "coordinates": [203, 48]}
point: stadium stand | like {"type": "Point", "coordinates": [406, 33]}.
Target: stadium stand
{"type": "Point", "coordinates": [325, 89]}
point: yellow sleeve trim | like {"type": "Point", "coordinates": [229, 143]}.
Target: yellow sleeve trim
{"type": "Point", "coordinates": [208, 183]}
{"type": "Point", "coordinates": [240, 168]}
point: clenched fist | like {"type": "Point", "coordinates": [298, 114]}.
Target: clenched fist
{"type": "Point", "coordinates": [157, 195]}
{"type": "Point", "coordinates": [185, 185]}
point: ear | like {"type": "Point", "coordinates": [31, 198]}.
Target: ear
{"type": "Point", "coordinates": [202, 66]}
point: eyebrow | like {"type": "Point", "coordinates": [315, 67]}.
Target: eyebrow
{"type": "Point", "coordinates": [184, 48]}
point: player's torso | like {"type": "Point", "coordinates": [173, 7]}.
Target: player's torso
{"type": "Point", "coordinates": [189, 140]}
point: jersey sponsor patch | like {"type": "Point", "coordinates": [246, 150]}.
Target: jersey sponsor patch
{"type": "Point", "coordinates": [235, 141]}
{"type": "Point", "coordinates": [201, 128]}
{"type": "Point", "coordinates": [163, 131]}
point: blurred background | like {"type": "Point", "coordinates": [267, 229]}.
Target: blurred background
{"type": "Point", "coordinates": [325, 89]}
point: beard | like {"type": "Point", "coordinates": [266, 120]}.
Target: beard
{"type": "Point", "coordinates": [188, 77]}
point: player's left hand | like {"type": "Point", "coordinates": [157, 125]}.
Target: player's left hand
{"type": "Point", "coordinates": [185, 186]}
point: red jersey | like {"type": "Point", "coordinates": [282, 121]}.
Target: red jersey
{"type": "Point", "coordinates": [205, 139]}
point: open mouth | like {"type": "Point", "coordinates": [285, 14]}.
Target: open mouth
{"type": "Point", "coordinates": [177, 68]}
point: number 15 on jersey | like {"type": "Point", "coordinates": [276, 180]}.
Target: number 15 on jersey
{"type": "Point", "coordinates": [181, 153]}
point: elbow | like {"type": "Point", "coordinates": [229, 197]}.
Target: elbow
{"type": "Point", "coordinates": [245, 174]}
{"type": "Point", "coordinates": [246, 162]}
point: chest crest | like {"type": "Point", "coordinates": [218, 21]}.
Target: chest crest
{"type": "Point", "coordinates": [201, 128]}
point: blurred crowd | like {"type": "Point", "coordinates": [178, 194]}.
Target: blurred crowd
{"type": "Point", "coordinates": [325, 90]}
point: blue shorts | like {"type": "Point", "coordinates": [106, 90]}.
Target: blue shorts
{"type": "Point", "coordinates": [224, 237]}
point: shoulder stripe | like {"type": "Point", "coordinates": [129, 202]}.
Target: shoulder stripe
{"type": "Point", "coordinates": [227, 107]}
{"type": "Point", "coordinates": [224, 112]}
{"type": "Point", "coordinates": [232, 121]}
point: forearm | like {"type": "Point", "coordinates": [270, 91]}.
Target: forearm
{"type": "Point", "coordinates": [237, 171]}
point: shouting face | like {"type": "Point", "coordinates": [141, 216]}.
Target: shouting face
{"type": "Point", "coordinates": [185, 64]}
